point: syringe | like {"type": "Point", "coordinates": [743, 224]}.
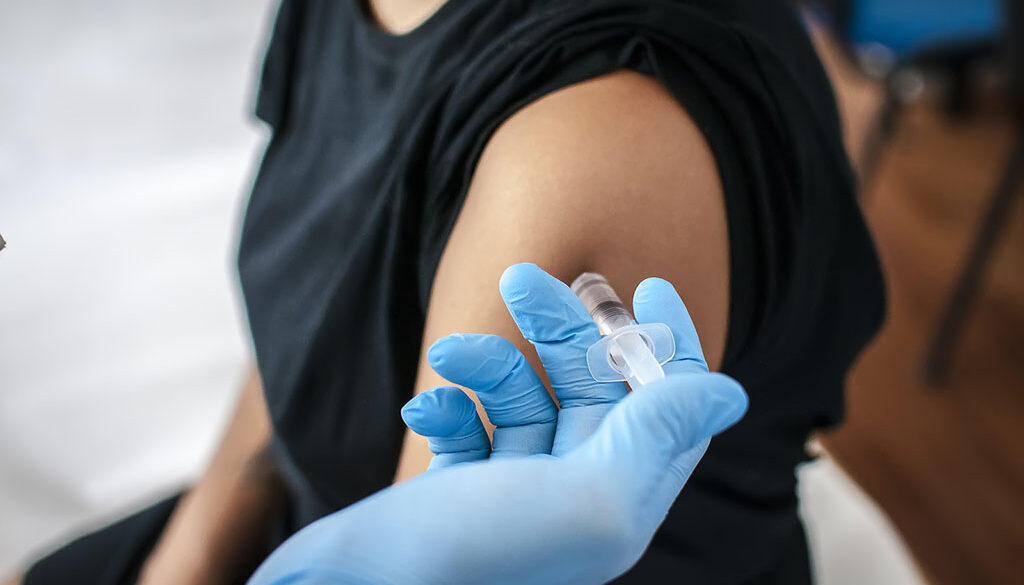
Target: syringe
{"type": "Point", "coordinates": [627, 351]}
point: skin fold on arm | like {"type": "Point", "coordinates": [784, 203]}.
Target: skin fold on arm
{"type": "Point", "coordinates": [610, 176]}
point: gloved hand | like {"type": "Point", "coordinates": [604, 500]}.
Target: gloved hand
{"type": "Point", "coordinates": [564, 496]}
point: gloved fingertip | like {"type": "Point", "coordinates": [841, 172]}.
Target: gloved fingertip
{"type": "Point", "coordinates": [727, 401]}
{"type": "Point", "coordinates": [517, 274]}
{"type": "Point", "coordinates": [544, 308]}
{"type": "Point", "coordinates": [652, 286]}
{"type": "Point", "coordinates": [414, 412]}
{"type": "Point", "coordinates": [516, 286]}
{"type": "Point", "coordinates": [657, 301]}
{"type": "Point", "coordinates": [441, 348]}
{"type": "Point", "coordinates": [476, 361]}
{"type": "Point", "coordinates": [654, 297]}
{"type": "Point", "coordinates": [439, 412]}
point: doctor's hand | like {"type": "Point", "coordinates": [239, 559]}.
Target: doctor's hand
{"type": "Point", "coordinates": [569, 495]}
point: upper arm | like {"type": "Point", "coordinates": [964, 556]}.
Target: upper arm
{"type": "Point", "coordinates": [610, 176]}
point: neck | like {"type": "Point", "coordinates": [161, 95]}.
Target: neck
{"type": "Point", "coordinates": [402, 16]}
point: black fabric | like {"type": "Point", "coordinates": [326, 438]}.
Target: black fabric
{"type": "Point", "coordinates": [111, 556]}
{"type": "Point", "coordinates": [375, 138]}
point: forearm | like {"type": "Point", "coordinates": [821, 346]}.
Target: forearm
{"type": "Point", "coordinates": [217, 534]}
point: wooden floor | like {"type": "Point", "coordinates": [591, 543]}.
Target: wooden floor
{"type": "Point", "coordinates": [946, 465]}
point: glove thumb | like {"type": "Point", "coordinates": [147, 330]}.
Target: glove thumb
{"type": "Point", "coordinates": [645, 434]}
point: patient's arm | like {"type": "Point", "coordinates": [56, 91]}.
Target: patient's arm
{"type": "Point", "coordinates": [610, 176]}
{"type": "Point", "coordinates": [217, 533]}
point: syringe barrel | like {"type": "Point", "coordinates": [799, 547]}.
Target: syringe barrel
{"type": "Point", "coordinates": [604, 305]}
{"type": "Point", "coordinates": [626, 351]}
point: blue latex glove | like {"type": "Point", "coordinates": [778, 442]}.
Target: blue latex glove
{"type": "Point", "coordinates": [570, 495]}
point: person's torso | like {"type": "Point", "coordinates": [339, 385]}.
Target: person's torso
{"type": "Point", "coordinates": [374, 140]}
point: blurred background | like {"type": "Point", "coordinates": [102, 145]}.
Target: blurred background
{"type": "Point", "coordinates": [126, 153]}
{"type": "Point", "coordinates": [125, 157]}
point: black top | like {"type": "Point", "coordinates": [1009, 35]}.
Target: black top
{"type": "Point", "coordinates": [375, 138]}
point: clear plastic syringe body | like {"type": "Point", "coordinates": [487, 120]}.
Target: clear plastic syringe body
{"type": "Point", "coordinates": [628, 352]}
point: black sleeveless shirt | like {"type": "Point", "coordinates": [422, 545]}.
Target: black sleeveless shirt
{"type": "Point", "coordinates": [375, 138]}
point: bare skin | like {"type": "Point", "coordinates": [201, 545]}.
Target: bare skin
{"type": "Point", "coordinates": [401, 16]}
{"type": "Point", "coordinates": [216, 534]}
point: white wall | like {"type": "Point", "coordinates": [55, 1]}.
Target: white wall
{"type": "Point", "coordinates": [125, 153]}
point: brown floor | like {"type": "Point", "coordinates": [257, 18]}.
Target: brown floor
{"type": "Point", "coordinates": [948, 465]}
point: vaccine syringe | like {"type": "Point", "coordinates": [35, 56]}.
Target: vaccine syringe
{"type": "Point", "coordinates": [627, 351]}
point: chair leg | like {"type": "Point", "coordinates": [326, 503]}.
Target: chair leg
{"type": "Point", "coordinates": [879, 132]}
{"type": "Point", "coordinates": [957, 309]}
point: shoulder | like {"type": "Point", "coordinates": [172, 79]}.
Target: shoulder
{"type": "Point", "coordinates": [621, 118]}
{"type": "Point", "coordinates": [610, 175]}
{"type": "Point", "coordinates": [618, 149]}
